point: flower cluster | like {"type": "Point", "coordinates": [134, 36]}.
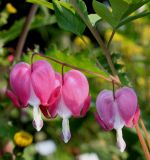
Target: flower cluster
{"type": "Point", "coordinates": [67, 95]}
{"type": "Point", "coordinates": [40, 86]}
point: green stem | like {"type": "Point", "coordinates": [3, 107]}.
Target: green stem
{"type": "Point", "coordinates": [97, 37]}
{"type": "Point", "coordinates": [111, 38]}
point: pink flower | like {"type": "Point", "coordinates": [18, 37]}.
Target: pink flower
{"type": "Point", "coordinates": [32, 85]}
{"type": "Point", "coordinates": [73, 99]}
{"type": "Point", "coordinates": [116, 111]}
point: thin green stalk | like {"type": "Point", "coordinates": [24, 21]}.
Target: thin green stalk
{"type": "Point", "coordinates": [142, 141]}
{"type": "Point", "coordinates": [111, 38]}
{"type": "Point", "coordinates": [97, 37]}
{"type": "Point", "coordinates": [145, 132]}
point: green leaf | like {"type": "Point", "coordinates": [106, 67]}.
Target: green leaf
{"type": "Point", "coordinates": [81, 5]}
{"type": "Point", "coordinates": [94, 18]}
{"type": "Point", "coordinates": [118, 8]}
{"type": "Point", "coordinates": [43, 3]}
{"type": "Point", "coordinates": [134, 6]}
{"type": "Point", "coordinates": [67, 18]}
{"type": "Point", "coordinates": [103, 12]}
{"type": "Point", "coordinates": [131, 18]}
{"type": "Point", "coordinates": [14, 31]}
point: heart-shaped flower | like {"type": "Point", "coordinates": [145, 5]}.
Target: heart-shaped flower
{"type": "Point", "coordinates": [114, 111]}
{"type": "Point", "coordinates": [72, 100]}
{"type": "Point", "coordinates": [32, 85]}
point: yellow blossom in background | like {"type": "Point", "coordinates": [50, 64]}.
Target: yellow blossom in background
{"type": "Point", "coordinates": [124, 44]}
{"type": "Point", "coordinates": [141, 81]}
{"type": "Point", "coordinates": [145, 35]}
{"type": "Point", "coordinates": [23, 139]}
{"type": "Point", "coordinates": [80, 43]}
{"type": "Point", "coordinates": [10, 8]}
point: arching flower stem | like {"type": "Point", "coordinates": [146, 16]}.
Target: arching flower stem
{"type": "Point", "coordinates": [115, 80]}
{"type": "Point", "coordinates": [142, 141]}
{"type": "Point", "coordinates": [145, 132]}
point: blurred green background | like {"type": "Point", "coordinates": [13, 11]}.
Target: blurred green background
{"type": "Point", "coordinates": [131, 55]}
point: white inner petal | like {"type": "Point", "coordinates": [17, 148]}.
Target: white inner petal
{"type": "Point", "coordinates": [66, 130]}
{"type": "Point", "coordinates": [37, 120]}
{"type": "Point", "coordinates": [120, 141]}
{"type": "Point", "coordinates": [119, 122]}
{"type": "Point", "coordinates": [63, 110]}
{"type": "Point", "coordinates": [35, 102]}
{"type": "Point", "coordinates": [65, 113]}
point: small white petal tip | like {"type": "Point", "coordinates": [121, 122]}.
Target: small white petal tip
{"type": "Point", "coordinates": [37, 122]}
{"type": "Point", "coordinates": [66, 135]}
{"type": "Point", "coordinates": [120, 141]}
{"type": "Point", "coordinates": [38, 126]}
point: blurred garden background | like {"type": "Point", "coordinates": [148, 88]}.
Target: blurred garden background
{"type": "Point", "coordinates": [130, 53]}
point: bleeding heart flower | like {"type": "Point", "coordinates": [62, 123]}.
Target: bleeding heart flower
{"type": "Point", "coordinates": [116, 111]}
{"type": "Point", "coordinates": [72, 100]}
{"type": "Point", "coordinates": [32, 85]}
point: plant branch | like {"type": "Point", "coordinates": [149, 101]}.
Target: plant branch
{"type": "Point", "coordinates": [97, 37]}
{"type": "Point", "coordinates": [145, 132]}
{"type": "Point", "coordinates": [25, 31]}
{"type": "Point", "coordinates": [142, 141]}
{"type": "Point", "coordinates": [109, 60]}
{"type": "Point", "coordinates": [111, 38]}
{"type": "Point", "coordinates": [110, 79]}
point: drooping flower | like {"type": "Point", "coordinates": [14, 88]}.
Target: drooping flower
{"type": "Point", "coordinates": [23, 139]}
{"type": "Point", "coordinates": [72, 100]}
{"type": "Point", "coordinates": [32, 85]}
{"type": "Point", "coordinates": [114, 111]}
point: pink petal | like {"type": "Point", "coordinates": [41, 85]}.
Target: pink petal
{"type": "Point", "coordinates": [58, 80]}
{"type": "Point", "coordinates": [50, 111]}
{"type": "Point", "coordinates": [136, 116]}
{"type": "Point", "coordinates": [86, 106]}
{"type": "Point", "coordinates": [133, 121]}
{"type": "Point", "coordinates": [105, 107]}
{"type": "Point", "coordinates": [45, 112]}
{"type": "Point", "coordinates": [20, 82]}
{"type": "Point", "coordinates": [74, 91]}
{"type": "Point", "coordinates": [106, 127]}
{"type": "Point", "coordinates": [53, 102]}
{"type": "Point", "coordinates": [127, 103]}
{"type": "Point", "coordinates": [13, 97]}
{"type": "Point", "coordinates": [43, 80]}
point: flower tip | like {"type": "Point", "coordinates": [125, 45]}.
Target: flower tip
{"type": "Point", "coordinates": [37, 126]}
{"type": "Point", "coordinates": [120, 141]}
{"type": "Point", "coordinates": [67, 138]}
{"type": "Point", "coordinates": [66, 134]}
{"type": "Point", "coordinates": [121, 145]}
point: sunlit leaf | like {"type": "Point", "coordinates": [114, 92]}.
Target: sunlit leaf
{"type": "Point", "coordinates": [42, 2]}
{"type": "Point", "coordinates": [131, 18]}
{"type": "Point", "coordinates": [94, 18]}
